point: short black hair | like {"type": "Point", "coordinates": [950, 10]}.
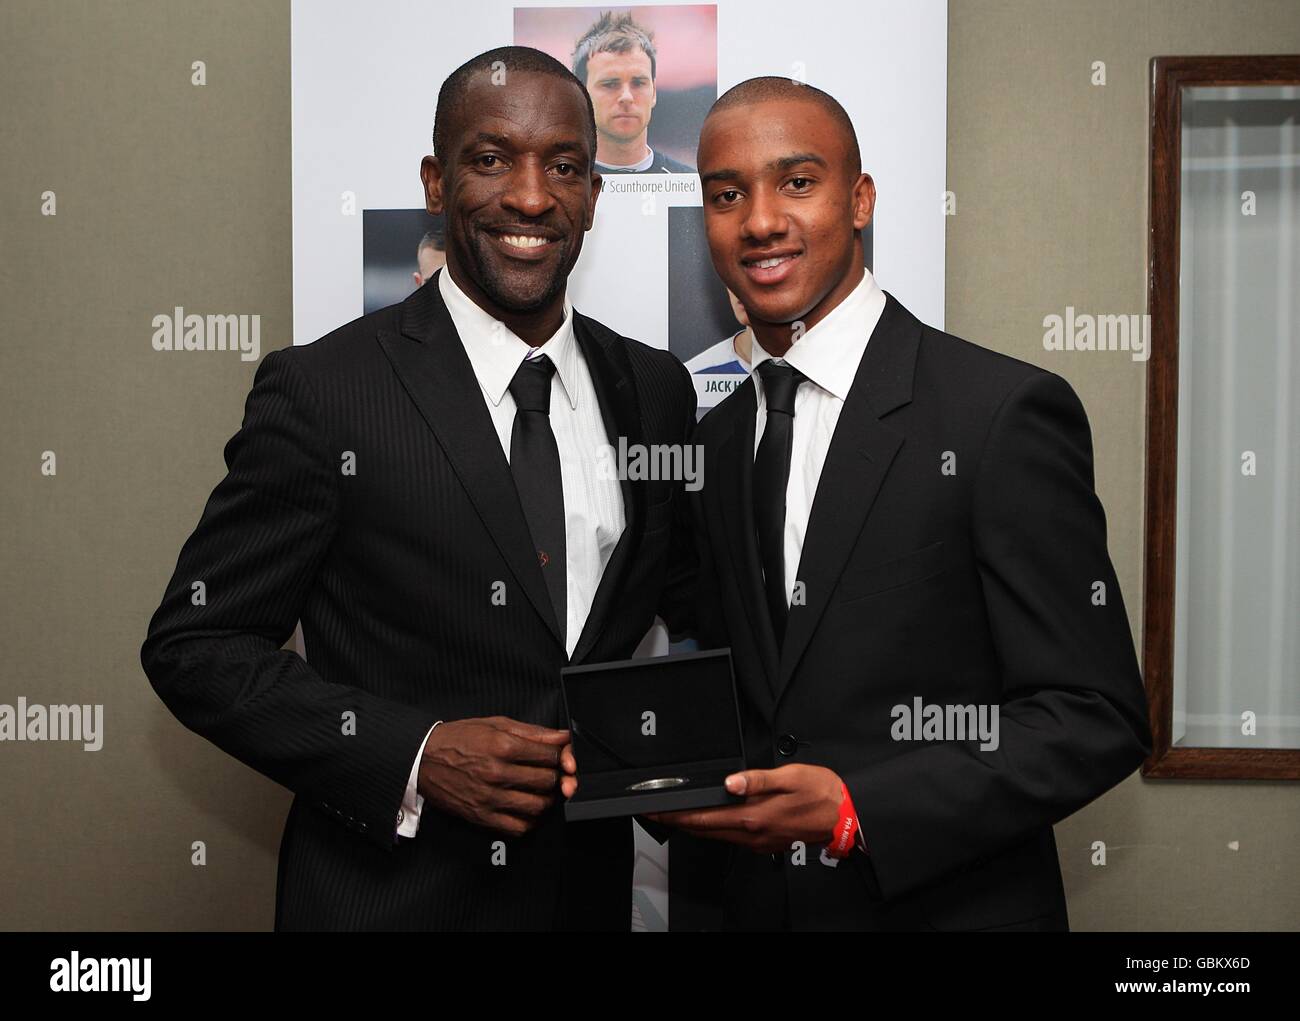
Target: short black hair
{"type": "Point", "coordinates": [758, 90]}
{"type": "Point", "coordinates": [516, 59]}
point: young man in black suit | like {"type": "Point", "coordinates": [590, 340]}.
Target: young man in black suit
{"type": "Point", "coordinates": [423, 487]}
{"type": "Point", "coordinates": [898, 523]}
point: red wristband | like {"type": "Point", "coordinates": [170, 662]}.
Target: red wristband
{"type": "Point", "coordinates": [846, 828]}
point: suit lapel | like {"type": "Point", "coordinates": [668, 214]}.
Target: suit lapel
{"type": "Point", "coordinates": [736, 521]}
{"type": "Point", "coordinates": [431, 363]}
{"type": "Point", "coordinates": [620, 408]}
{"type": "Point", "coordinates": [861, 451]}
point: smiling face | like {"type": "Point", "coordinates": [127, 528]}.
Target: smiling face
{"type": "Point", "coordinates": [783, 212]}
{"type": "Point", "coordinates": [518, 192]}
{"type": "Point", "coordinates": [622, 92]}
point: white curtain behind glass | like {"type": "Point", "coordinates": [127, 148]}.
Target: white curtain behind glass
{"type": "Point", "coordinates": [1237, 598]}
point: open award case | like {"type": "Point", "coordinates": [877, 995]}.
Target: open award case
{"type": "Point", "coordinates": [652, 735]}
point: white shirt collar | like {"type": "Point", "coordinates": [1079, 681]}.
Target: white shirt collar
{"type": "Point", "coordinates": [829, 353]}
{"type": "Point", "coordinates": [495, 350]}
{"type": "Point", "coordinates": [642, 164]}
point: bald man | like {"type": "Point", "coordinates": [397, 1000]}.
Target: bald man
{"type": "Point", "coordinates": [901, 543]}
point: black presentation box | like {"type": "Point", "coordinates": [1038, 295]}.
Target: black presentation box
{"type": "Point", "coordinates": [652, 735]}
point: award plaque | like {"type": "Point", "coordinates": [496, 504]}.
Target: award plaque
{"type": "Point", "coordinates": [652, 735]}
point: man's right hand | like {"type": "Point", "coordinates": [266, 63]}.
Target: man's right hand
{"type": "Point", "coordinates": [495, 771]}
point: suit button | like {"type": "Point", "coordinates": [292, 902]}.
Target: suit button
{"type": "Point", "coordinates": [786, 744]}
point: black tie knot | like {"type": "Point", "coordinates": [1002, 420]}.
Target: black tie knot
{"type": "Point", "coordinates": [780, 383]}
{"type": "Point", "coordinates": [531, 387]}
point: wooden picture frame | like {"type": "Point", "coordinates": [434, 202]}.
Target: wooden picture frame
{"type": "Point", "coordinates": [1169, 76]}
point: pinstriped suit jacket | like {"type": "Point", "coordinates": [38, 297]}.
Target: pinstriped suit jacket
{"type": "Point", "coordinates": [391, 569]}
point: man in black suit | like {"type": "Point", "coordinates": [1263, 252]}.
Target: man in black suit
{"type": "Point", "coordinates": [423, 487]}
{"type": "Point", "coordinates": [952, 567]}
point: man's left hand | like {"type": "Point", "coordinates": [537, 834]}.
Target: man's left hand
{"type": "Point", "coordinates": [781, 806]}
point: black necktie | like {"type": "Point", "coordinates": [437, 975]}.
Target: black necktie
{"type": "Point", "coordinates": [535, 464]}
{"type": "Point", "coordinates": [771, 473]}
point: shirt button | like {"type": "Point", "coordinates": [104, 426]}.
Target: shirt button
{"type": "Point", "coordinates": [786, 744]}
{"type": "Point", "coordinates": [400, 816]}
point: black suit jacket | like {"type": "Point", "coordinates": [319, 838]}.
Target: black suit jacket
{"type": "Point", "coordinates": [958, 588]}
{"type": "Point", "coordinates": [392, 569]}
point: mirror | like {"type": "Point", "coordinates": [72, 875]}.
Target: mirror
{"type": "Point", "coordinates": [1222, 616]}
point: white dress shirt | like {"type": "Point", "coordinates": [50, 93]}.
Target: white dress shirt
{"type": "Point", "coordinates": [593, 506]}
{"type": "Point", "coordinates": [828, 354]}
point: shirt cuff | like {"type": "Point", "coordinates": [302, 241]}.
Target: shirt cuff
{"type": "Point", "coordinates": [408, 816]}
